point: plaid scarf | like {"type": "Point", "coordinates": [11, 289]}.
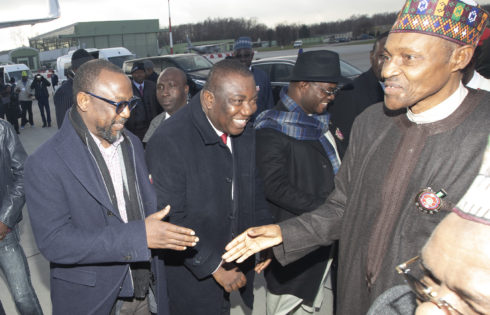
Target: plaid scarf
{"type": "Point", "coordinates": [297, 124]}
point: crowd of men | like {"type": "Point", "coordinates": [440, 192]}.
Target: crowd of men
{"type": "Point", "coordinates": [364, 196]}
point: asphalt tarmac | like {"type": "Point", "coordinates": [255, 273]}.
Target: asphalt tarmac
{"type": "Point", "coordinates": [32, 137]}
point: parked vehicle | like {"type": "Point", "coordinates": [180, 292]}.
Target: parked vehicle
{"type": "Point", "coordinates": [196, 68]}
{"type": "Point", "coordinates": [279, 70]}
{"type": "Point", "coordinates": [14, 71]}
{"type": "Point", "coordinates": [116, 55]}
{"type": "Point", "coordinates": [298, 44]}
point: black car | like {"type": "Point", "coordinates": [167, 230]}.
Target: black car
{"type": "Point", "coordinates": [196, 67]}
{"type": "Point", "coordinates": [279, 69]}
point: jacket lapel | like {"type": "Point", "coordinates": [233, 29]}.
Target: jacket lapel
{"type": "Point", "coordinates": [83, 166]}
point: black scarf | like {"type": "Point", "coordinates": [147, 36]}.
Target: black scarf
{"type": "Point", "coordinates": [140, 270]}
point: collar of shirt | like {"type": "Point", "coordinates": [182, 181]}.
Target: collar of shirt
{"type": "Point", "coordinates": [441, 111]}
{"type": "Point", "coordinates": [219, 133]}
{"type": "Point", "coordinates": [138, 85]}
{"type": "Point", "coordinates": [479, 82]}
{"type": "Point", "coordinates": [110, 150]}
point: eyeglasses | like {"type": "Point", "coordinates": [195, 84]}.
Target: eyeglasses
{"type": "Point", "coordinates": [120, 106]}
{"type": "Point", "coordinates": [423, 292]}
{"type": "Point", "coordinates": [330, 92]}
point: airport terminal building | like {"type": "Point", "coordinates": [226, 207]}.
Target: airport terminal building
{"type": "Point", "coordinates": [139, 36]}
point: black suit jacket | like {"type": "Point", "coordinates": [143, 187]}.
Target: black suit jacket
{"type": "Point", "coordinates": [193, 171]}
{"type": "Point", "coordinates": [365, 90]}
{"type": "Point", "coordinates": [141, 116]}
{"type": "Point", "coordinates": [298, 176]}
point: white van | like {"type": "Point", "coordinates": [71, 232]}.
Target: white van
{"type": "Point", "coordinates": [116, 55]}
{"type": "Point", "coordinates": [14, 71]}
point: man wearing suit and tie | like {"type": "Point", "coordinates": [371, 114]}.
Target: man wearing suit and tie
{"type": "Point", "coordinates": [141, 116]}
{"type": "Point", "coordinates": [202, 162]}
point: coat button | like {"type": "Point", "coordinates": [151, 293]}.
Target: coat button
{"type": "Point", "coordinates": [228, 180]}
{"type": "Point", "coordinates": [324, 165]}
{"type": "Point", "coordinates": [128, 257]}
{"type": "Point", "coordinates": [109, 213]}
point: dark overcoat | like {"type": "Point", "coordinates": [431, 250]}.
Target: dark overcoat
{"type": "Point", "coordinates": [193, 171]}
{"type": "Point", "coordinates": [365, 90]}
{"type": "Point", "coordinates": [141, 115]}
{"type": "Point", "coordinates": [298, 176]}
{"type": "Point", "coordinates": [80, 232]}
{"type": "Point", "coordinates": [265, 99]}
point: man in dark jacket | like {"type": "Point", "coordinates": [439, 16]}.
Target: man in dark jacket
{"type": "Point", "coordinates": [365, 90]}
{"type": "Point", "coordinates": [40, 86]}
{"type": "Point", "coordinates": [13, 262]}
{"type": "Point", "coordinates": [141, 117]}
{"type": "Point", "coordinates": [297, 159]}
{"type": "Point", "coordinates": [63, 98]}
{"type": "Point", "coordinates": [244, 53]}
{"type": "Point", "coordinates": [202, 162]}
{"type": "Point", "coordinates": [92, 207]}
{"type": "Point", "coordinates": [408, 159]}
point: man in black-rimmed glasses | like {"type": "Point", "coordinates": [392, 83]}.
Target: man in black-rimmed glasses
{"type": "Point", "coordinates": [93, 208]}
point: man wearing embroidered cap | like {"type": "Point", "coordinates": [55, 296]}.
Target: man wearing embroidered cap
{"type": "Point", "coordinates": [244, 53]}
{"type": "Point", "coordinates": [407, 160]}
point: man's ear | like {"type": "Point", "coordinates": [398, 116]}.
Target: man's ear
{"type": "Point", "coordinates": [186, 89]}
{"type": "Point", "coordinates": [83, 101]}
{"type": "Point", "coordinates": [207, 99]}
{"type": "Point", "coordinates": [461, 57]}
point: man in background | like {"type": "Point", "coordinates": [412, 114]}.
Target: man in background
{"type": "Point", "coordinates": [63, 98]}
{"type": "Point", "coordinates": [40, 86]}
{"type": "Point", "coordinates": [244, 53]}
{"type": "Point", "coordinates": [365, 90]}
{"type": "Point", "coordinates": [25, 100]}
{"type": "Point", "coordinates": [141, 117]}
{"type": "Point", "coordinates": [172, 91]}
{"type": "Point", "coordinates": [151, 75]}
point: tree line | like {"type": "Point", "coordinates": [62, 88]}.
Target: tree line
{"type": "Point", "coordinates": [227, 28]}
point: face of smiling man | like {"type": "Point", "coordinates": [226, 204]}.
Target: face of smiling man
{"type": "Point", "coordinates": [421, 71]}
{"type": "Point", "coordinates": [99, 116]}
{"type": "Point", "coordinates": [232, 103]}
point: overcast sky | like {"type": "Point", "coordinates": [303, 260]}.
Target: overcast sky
{"type": "Point", "coordinates": [269, 12]}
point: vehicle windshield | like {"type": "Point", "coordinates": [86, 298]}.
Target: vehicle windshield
{"type": "Point", "coordinates": [193, 63]}
{"type": "Point", "coordinates": [18, 75]}
{"type": "Point", "coordinates": [347, 70]}
{"type": "Point", "coordinates": [119, 60]}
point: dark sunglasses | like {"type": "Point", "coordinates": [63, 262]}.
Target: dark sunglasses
{"type": "Point", "coordinates": [120, 106]}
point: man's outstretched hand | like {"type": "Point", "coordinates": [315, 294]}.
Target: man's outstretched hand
{"type": "Point", "coordinates": [252, 241]}
{"type": "Point", "coordinates": [164, 235]}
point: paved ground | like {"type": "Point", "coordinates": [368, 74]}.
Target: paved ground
{"type": "Point", "coordinates": [32, 137]}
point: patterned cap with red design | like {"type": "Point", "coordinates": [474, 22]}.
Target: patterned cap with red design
{"type": "Point", "coordinates": [462, 22]}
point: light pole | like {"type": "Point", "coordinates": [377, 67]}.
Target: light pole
{"type": "Point", "coordinates": [170, 30]}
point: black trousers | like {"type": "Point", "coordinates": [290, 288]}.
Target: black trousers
{"type": "Point", "coordinates": [43, 104]}
{"type": "Point", "coordinates": [26, 110]}
{"type": "Point", "coordinates": [13, 117]}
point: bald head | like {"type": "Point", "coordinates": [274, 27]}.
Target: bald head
{"type": "Point", "coordinates": [457, 256]}
{"type": "Point", "coordinates": [172, 89]}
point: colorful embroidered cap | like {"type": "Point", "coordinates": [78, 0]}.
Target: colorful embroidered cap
{"type": "Point", "coordinates": [454, 20]}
